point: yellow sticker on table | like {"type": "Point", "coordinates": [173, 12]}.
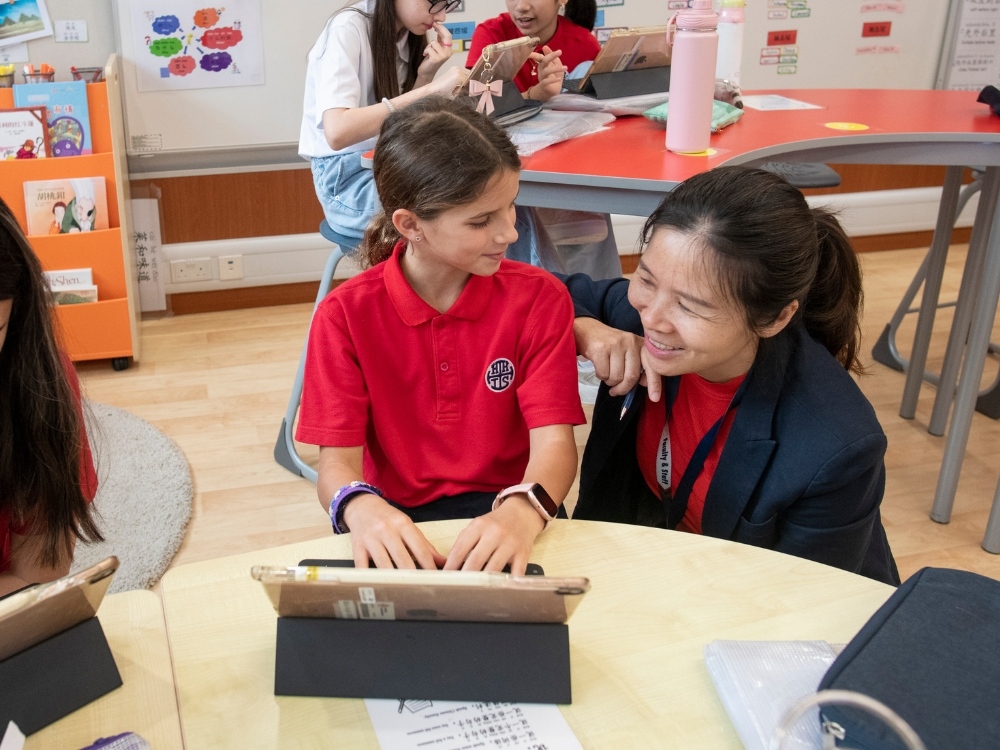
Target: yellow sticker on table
{"type": "Point", "coordinates": [706, 152]}
{"type": "Point", "coordinates": [845, 126]}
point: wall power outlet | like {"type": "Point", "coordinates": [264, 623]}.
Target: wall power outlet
{"type": "Point", "coordinates": [190, 269]}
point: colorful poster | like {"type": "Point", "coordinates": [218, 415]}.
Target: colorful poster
{"type": "Point", "coordinates": [22, 20]}
{"type": "Point", "coordinates": [185, 44]}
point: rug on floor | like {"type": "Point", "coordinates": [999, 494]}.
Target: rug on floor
{"type": "Point", "coordinates": [143, 499]}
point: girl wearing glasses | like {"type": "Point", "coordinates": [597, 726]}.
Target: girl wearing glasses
{"type": "Point", "coordinates": [372, 58]}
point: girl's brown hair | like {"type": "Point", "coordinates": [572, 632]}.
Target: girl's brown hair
{"type": "Point", "coordinates": [382, 37]}
{"type": "Point", "coordinates": [41, 445]}
{"type": "Point", "coordinates": [435, 154]}
{"type": "Point", "coordinates": [770, 249]}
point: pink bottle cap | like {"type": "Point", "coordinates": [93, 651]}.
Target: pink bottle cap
{"type": "Point", "coordinates": [698, 17]}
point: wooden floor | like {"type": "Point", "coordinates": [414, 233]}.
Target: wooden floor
{"type": "Point", "coordinates": [218, 383]}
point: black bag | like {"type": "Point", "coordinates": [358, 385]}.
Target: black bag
{"type": "Point", "coordinates": [931, 653]}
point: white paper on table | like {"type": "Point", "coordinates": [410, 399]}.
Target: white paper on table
{"type": "Point", "coordinates": [12, 739]}
{"type": "Point", "coordinates": [451, 725]}
{"type": "Point", "coordinates": [775, 102]}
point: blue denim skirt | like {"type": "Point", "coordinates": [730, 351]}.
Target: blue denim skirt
{"type": "Point", "coordinates": [346, 190]}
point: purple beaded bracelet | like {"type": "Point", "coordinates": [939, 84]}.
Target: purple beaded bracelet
{"type": "Point", "coordinates": [340, 499]}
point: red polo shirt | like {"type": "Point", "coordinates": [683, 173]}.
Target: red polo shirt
{"type": "Point", "coordinates": [698, 405]}
{"type": "Point", "coordinates": [441, 402]}
{"type": "Point", "coordinates": [577, 44]}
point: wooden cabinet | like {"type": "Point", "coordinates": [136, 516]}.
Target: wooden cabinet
{"type": "Point", "coordinates": [108, 328]}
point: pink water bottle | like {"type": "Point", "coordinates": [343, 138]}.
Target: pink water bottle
{"type": "Point", "coordinates": [692, 77]}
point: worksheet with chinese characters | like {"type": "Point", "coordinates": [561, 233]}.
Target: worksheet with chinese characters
{"type": "Point", "coordinates": [447, 725]}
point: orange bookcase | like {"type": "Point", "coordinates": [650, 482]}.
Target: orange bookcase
{"type": "Point", "coordinates": [108, 328]}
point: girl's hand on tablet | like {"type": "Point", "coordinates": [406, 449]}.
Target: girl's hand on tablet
{"type": "Point", "coordinates": [436, 53]}
{"type": "Point", "coordinates": [387, 536]}
{"type": "Point", "coordinates": [448, 82]}
{"type": "Point", "coordinates": [551, 73]}
{"type": "Point", "coordinates": [502, 536]}
{"type": "Point", "coordinates": [617, 355]}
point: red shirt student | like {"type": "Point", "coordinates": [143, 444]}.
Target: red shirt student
{"type": "Point", "coordinates": [441, 382]}
{"type": "Point", "coordinates": [565, 41]}
{"type": "Point", "coordinates": [47, 475]}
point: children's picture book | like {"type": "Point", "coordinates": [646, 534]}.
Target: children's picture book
{"type": "Point", "coordinates": [66, 206]}
{"type": "Point", "coordinates": [69, 115]}
{"type": "Point", "coordinates": [69, 277]}
{"type": "Point", "coordinates": [74, 295]}
{"type": "Point", "coordinates": [71, 286]}
{"type": "Point", "coordinates": [24, 133]}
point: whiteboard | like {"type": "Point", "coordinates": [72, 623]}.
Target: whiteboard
{"type": "Point", "coordinates": [257, 127]}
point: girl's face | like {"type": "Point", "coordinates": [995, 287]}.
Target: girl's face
{"type": "Point", "coordinates": [689, 327]}
{"type": "Point", "coordinates": [415, 16]}
{"type": "Point", "coordinates": [535, 17]}
{"type": "Point", "coordinates": [5, 307]}
{"type": "Point", "coordinates": [472, 238]}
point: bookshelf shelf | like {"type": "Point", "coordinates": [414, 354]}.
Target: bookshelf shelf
{"type": "Point", "coordinates": [109, 328]}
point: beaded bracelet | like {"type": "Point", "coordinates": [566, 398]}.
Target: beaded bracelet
{"type": "Point", "coordinates": [390, 105]}
{"type": "Point", "coordinates": [340, 499]}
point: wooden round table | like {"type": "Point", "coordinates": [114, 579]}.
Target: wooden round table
{"type": "Point", "coordinates": [639, 679]}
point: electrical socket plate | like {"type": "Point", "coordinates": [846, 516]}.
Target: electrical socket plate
{"type": "Point", "coordinates": [230, 267]}
{"type": "Point", "coordinates": [190, 269]}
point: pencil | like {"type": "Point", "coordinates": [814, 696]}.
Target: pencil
{"type": "Point", "coordinates": [629, 398]}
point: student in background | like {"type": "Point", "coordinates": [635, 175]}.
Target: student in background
{"type": "Point", "coordinates": [372, 58]}
{"type": "Point", "coordinates": [47, 477]}
{"type": "Point", "coordinates": [744, 317]}
{"type": "Point", "coordinates": [565, 43]}
{"type": "Point", "coordinates": [444, 374]}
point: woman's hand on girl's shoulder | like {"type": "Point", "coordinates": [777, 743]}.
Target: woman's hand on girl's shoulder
{"type": "Point", "coordinates": [490, 542]}
{"type": "Point", "coordinates": [387, 536]}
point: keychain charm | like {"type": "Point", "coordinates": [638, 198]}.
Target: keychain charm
{"type": "Point", "coordinates": [486, 88]}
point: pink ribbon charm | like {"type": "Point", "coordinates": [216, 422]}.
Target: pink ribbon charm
{"type": "Point", "coordinates": [488, 91]}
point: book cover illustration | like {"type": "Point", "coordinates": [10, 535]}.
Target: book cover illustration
{"type": "Point", "coordinates": [23, 133]}
{"type": "Point", "coordinates": [69, 115]}
{"type": "Point", "coordinates": [66, 206]}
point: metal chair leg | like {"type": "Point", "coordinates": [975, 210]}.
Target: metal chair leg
{"type": "Point", "coordinates": [285, 452]}
{"type": "Point", "coordinates": [971, 276]}
{"type": "Point", "coordinates": [991, 541]}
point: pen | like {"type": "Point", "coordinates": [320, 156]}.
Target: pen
{"type": "Point", "coordinates": [629, 398]}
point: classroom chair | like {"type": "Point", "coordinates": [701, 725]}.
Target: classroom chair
{"type": "Point", "coordinates": [285, 452]}
{"type": "Point", "coordinates": [930, 273]}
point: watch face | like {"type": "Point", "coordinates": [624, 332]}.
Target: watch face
{"type": "Point", "coordinates": [544, 500]}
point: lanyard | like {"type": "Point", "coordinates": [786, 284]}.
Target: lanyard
{"type": "Point", "coordinates": [677, 501]}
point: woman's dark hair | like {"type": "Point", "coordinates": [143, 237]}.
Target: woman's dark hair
{"type": "Point", "coordinates": [434, 154]}
{"type": "Point", "coordinates": [771, 248]}
{"type": "Point", "coordinates": [582, 13]}
{"type": "Point", "coordinates": [382, 38]}
{"type": "Point", "coordinates": [41, 446]}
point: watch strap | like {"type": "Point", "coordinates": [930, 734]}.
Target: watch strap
{"type": "Point", "coordinates": [526, 489]}
{"type": "Point", "coordinates": [342, 497]}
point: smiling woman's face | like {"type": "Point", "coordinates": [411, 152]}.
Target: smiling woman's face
{"type": "Point", "coordinates": [688, 325]}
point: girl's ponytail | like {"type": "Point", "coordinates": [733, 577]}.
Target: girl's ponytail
{"type": "Point", "coordinates": [832, 307]}
{"type": "Point", "coordinates": [379, 240]}
{"type": "Point", "coordinates": [582, 13]}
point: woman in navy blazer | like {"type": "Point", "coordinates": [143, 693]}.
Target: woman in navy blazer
{"type": "Point", "coordinates": [740, 281]}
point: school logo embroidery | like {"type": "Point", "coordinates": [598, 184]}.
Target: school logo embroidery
{"type": "Point", "coordinates": [499, 375]}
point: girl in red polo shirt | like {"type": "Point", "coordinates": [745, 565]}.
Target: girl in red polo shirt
{"type": "Point", "coordinates": [441, 382]}
{"type": "Point", "coordinates": [565, 41]}
{"type": "Point", "coordinates": [47, 474]}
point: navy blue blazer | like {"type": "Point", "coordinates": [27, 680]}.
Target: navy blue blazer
{"type": "Point", "coordinates": [802, 471]}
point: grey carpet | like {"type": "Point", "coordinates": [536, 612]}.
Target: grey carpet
{"type": "Point", "coordinates": [143, 500]}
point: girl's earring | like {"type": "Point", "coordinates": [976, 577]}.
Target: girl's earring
{"type": "Point", "coordinates": [417, 238]}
